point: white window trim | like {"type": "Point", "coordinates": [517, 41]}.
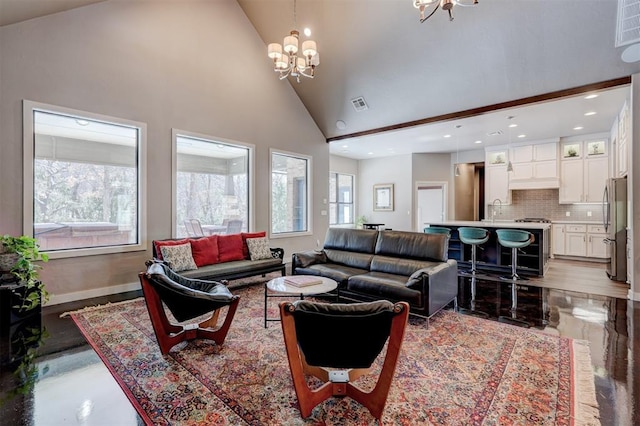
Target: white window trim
{"type": "Point", "coordinates": [309, 159]}
{"type": "Point", "coordinates": [174, 174]}
{"type": "Point", "coordinates": [353, 190]}
{"type": "Point", "coordinates": [28, 107]}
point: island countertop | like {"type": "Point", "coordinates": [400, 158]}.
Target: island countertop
{"type": "Point", "coordinates": [494, 225]}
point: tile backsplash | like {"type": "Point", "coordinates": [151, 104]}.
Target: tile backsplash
{"type": "Point", "coordinates": [543, 203]}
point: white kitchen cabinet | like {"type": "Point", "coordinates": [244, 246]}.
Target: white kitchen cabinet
{"type": "Point", "coordinates": [596, 247]}
{"type": "Point", "coordinates": [496, 177]}
{"type": "Point", "coordinates": [575, 240]}
{"type": "Point", "coordinates": [584, 169]}
{"type": "Point", "coordinates": [535, 166]}
{"type": "Point", "coordinates": [557, 235]}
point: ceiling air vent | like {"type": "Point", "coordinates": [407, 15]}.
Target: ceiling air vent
{"type": "Point", "coordinates": [628, 26]}
{"type": "Point", "coordinates": [360, 105]}
{"type": "Point", "coordinates": [496, 133]}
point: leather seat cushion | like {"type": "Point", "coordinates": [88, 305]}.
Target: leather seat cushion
{"type": "Point", "coordinates": [394, 265]}
{"type": "Point", "coordinates": [354, 240]}
{"type": "Point", "coordinates": [413, 245]}
{"type": "Point", "coordinates": [338, 273]}
{"type": "Point", "coordinates": [349, 258]}
{"type": "Point", "coordinates": [385, 286]}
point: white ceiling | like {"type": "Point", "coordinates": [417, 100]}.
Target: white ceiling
{"type": "Point", "coordinates": [497, 51]}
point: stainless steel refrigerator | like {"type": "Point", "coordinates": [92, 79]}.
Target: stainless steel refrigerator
{"type": "Point", "coordinates": [614, 209]}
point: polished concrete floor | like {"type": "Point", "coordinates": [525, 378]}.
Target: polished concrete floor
{"type": "Point", "coordinates": [64, 382]}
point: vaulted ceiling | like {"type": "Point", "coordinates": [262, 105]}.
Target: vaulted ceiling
{"type": "Point", "coordinates": [495, 52]}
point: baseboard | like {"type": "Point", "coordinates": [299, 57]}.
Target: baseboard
{"type": "Point", "coordinates": [635, 296]}
{"type": "Point", "coordinates": [56, 299]}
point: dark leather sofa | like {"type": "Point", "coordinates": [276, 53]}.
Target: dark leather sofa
{"type": "Point", "coordinates": [392, 265]}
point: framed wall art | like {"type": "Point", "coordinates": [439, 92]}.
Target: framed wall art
{"type": "Point", "coordinates": [383, 197]}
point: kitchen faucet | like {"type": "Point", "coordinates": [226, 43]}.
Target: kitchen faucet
{"type": "Point", "coordinates": [493, 209]}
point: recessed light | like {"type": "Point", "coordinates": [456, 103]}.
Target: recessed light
{"type": "Point", "coordinates": [446, 136]}
{"type": "Point", "coordinates": [513, 125]}
{"type": "Point", "coordinates": [478, 141]}
{"type": "Point", "coordinates": [592, 96]}
{"type": "Point", "coordinates": [369, 153]}
{"type": "Point", "coordinates": [82, 122]}
{"type": "Point", "coordinates": [345, 146]}
{"type": "Point", "coordinates": [341, 125]}
{"type": "Point", "coordinates": [578, 128]}
{"type": "Point", "coordinates": [307, 32]}
{"type": "Point", "coordinates": [589, 113]}
{"type": "Point", "coordinates": [522, 136]}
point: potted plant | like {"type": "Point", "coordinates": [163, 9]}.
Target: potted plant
{"type": "Point", "coordinates": [17, 257]}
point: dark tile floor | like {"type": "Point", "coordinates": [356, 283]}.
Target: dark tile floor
{"type": "Point", "coordinates": [64, 381]}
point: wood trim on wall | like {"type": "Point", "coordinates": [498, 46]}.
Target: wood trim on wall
{"type": "Point", "coordinates": [491, 108]}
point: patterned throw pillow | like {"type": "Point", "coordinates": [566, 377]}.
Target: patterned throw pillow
{"type": "Point", "coordinates": [258, 248]}
{"type": "Point", "coordinates": [179, 257]}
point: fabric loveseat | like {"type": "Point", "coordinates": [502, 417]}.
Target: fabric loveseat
{"type": "Point", "coordinates": [220, 257]}
{"type": "Point", "coordinates": [392, 265]}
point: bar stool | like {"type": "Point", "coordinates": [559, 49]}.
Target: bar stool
{"type": "Point", "coordinates": [474, 237]}
{"type": "Point", "coordinates": [437, 230]}
{"type": "Point", "coordinates": [514, 239]}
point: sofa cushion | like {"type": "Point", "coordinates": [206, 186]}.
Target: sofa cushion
{"type": "Point", "coordinates": [160, 243]}
{"type": "Point", "coordinates": [245, 235]}
{"type": "Point", "coordinates": [384, 286]}
{"type": "Point", "coordinates": [400, 266]}
{"type": "Point", "coordinates": [339, 273]}
{"type": "Point", "coordinates": [349, 258]}
{"type": "Point", "coordinates": [230, 248]}
{"type": "Point", "coordinates": [178, 256]}
{"type": "Point", "coordinates": [258, 248]}
{"type": "Point", "coordinates": [353, 240]}
{"type": "Point", "coordinates": [205, 250]}
{"type": "Point", "coordinates": [221, 270]}
{"type": "Point", "coordinates": [415, 245]}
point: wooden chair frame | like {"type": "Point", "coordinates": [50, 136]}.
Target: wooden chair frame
{"type": "Point", "coordinates": [374, 400]}
{"type": "Point", "coordinates": [169, 335]}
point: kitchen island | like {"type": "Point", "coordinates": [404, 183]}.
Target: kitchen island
{"type": "Point", "coordinates": [533, 260]}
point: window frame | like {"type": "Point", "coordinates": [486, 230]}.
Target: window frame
{"type": "Point", "coordinates": [28, 128]}
{"type": "Point", "coordinates": [309, 162]}
{"type": "Point", "coordinates": [175, 133]}
{"type": "Point", "coordinates": [338, 203]}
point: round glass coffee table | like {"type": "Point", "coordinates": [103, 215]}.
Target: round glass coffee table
{"type": "Point", "coordinates": [278, 287]}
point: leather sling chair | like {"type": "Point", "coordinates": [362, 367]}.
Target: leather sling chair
{"type": "Point", "coordinates": [186, 299]}
{"type": "Point", "coordinates": [337, 343]}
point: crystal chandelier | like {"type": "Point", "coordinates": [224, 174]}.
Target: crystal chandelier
{"type": "Point", "coordinates": [285, 56]}
{"type": "Point", "coordinates": [447, 5]}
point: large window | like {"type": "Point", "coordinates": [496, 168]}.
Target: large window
{"type": "Point", "coordinates": [83, 181]}
{"type": "Point", "coordinates": [340, 199]}
{"type": "Point", "coordinates": [212, 190]}
{"type": "Point", "coordinates": [290, 193]}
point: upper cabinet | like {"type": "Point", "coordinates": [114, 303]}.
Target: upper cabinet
{"type": "Point", "coordinates": [621, 137]}
{"type": "Point", "coordinates": [584, 169]}
{"type": "Point", "coordinates": [496, 177]}
{"type": "Point", "coordinates": [535, 166]}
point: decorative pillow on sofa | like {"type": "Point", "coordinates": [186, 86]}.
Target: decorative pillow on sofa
{"type": "Point", "coordinates": [179, 257]}
{"type": "Point", "coordinates": [160, 243]}
{"type": "Point", "coordinates": [259, 248]}
{"type": "Point", "coordinates": [245, 235]}
{"type": "Point", "coordinates": [230, 247]}
{"type": "Point", "coordinates": [205, 250]}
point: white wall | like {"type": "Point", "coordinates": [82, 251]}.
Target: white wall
{"type": "Point", "coordinates": [395, 170]}
{"type": "Point", "coordinates": [194, 65]}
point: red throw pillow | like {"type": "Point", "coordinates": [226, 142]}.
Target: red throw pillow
{"type": "Point", "coordinates": [245, 235]}
{"type": "Point", "coordinates": [205, 250]}
{"type": "Point", "coordinates": [160, 243]}
{"type": "Point", "coordinates": [230, 247]}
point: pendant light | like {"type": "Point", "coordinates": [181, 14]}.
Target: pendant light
{"type": "Point", "coordinates": [509, 165]}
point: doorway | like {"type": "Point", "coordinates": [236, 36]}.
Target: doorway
{"type": "Point", "coordinates": [431, 202]}
{"type": "Point", "coordinates": [469, 192]}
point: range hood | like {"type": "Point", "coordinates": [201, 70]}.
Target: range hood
{"type": "Point", "coordinates": [551, 183]}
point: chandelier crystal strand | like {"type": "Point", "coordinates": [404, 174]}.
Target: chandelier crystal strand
{"type": "Point", "coordinates": [423, 5]}
{"type": "Point", "coordinates": [285, 57]}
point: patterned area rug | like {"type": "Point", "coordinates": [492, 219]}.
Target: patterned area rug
{"type": "Point", "coordinates": [459, 370]}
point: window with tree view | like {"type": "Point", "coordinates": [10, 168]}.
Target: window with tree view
{"type": "Point", "coordinates": [340, 199]}
{"type": "Point", "coordinates": [86, 180]}
{"type": "Point", "coordinates": [289, 193]}
{"type": "Point", "coordinates": [212, 186]}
